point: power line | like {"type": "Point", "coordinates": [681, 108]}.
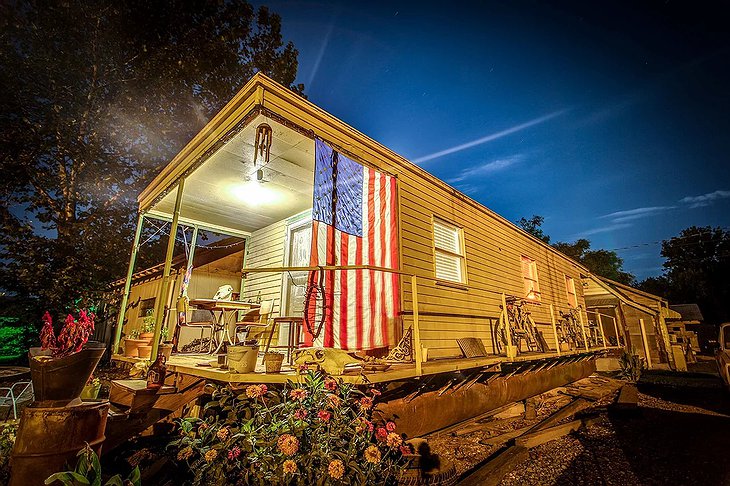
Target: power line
{"type": "Point", "coordinates": [674, 238]}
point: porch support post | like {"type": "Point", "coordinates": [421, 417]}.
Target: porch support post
{"type": "Point", "coordinates": [555, 329]}
{"type": "Point", "coordinates": [417, 349]}
{"type": "Point", "coordinates": [583, 327]}
{"type": "Point", "coordinates": [127, 284]}
{"type": "Point", "coordinates": [600, 326]}
{"type": "Point", "coordinates": [191, 255]}
{"type": "Point", "coordinates": [161, 301]}
{"type": "Point", "coordinates": [510, 349]}
{"type": "Point", "coordinates": [646, 343]}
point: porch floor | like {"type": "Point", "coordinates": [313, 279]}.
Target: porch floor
{"type": "Point", "coordinates": [199, 365]}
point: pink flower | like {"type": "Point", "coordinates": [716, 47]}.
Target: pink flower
{"type": "Point", "coordinates": [375, 392]}
{"type": "Point", "coordinates": [334, 401]}
{"type": "Point", "coordinates": [381, 433]}
{"type": "Point", "coordinates": [390, 426]}
{"type": "Point", "coordinates": [298, 394]}
{"type": "Point", "coordinates": [405, 450]}
{"type": "Point", "coordinates": [366, 403]}
{"type": "Point", "coordinates": [234, 453]}
{"type": "Point", "coordinates": [324, 415]}
{"type": "Point", "coordinates": [256, 391]}
{"type": "Point", "coordinates": [300, 414]}
{"type": "Point", "coordinates": [330, 384]}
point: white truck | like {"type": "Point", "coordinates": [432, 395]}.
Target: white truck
{"type": "Point", "coordinates": [723, 353]}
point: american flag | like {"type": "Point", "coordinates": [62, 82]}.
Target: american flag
{"type": "Point", "coordinates": [353, 223]}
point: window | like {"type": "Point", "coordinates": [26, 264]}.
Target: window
{"type": "Point", "coordinates": [570, 289]}
{"type": "Point", "coordinates": [529, 276]}
{"type": "Point", "coordinates": [448, 242]}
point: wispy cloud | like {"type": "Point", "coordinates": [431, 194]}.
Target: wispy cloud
{"type": "Point", "coordinates": [636, 213]}
{"type": "Point", "coordinates": [704, 199]}
{"type": "Point", "coordinates": [486, 168]}
{"type": "Point", "coordinates": [602, 229]}
{"type": "Point", "coordinates": [491, 137]}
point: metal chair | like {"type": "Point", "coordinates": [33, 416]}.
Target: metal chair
{"type": "Point", "coordinates": [254, 319]}
{"type": "Point", "coordinates": [16, 394]}
{"type": "Point", "coordinates": [196, 319]}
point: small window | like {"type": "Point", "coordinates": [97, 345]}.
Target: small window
{"type": "Point", "coordinates": [448, 242]}
{"type": "Point", "coordinates": [147, 307]}
{"type": "Point", "coordinates": [570, 289]}
{"type": "Point", "coordinates": [529, 276]}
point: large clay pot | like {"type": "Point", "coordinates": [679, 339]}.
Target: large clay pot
{"type": "Point", "coordinates": [242, 359]}
{"type": "Point", "coordinates": [59, 381]}
{"type": "Point", "coordinates": [147, 337]}
{"type": "Point", "coordinates": [144, 351]}
{"type": "Point", "coordinates": [131, 345]}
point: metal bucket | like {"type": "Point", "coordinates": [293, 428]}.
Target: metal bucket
{"type": "Point", "coordinates": [242, 359]}
{"type": "Point", "coordinates": [49, 437]}
{"type": "Point", "coordinates": [59, 381]}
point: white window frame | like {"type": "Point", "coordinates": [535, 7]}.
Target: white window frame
{"type": "Point", "coordinates": [460, 257]}
{"type": "Point", "coordinates": [572, 296]}
{"type": "Point", "coordinates": [532, 290]}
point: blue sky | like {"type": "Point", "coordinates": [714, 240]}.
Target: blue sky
{"type": "Point", "coordinates": [611, 122]}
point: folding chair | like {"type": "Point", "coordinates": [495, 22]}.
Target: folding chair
{"type": "Point", "coordinates": [254, 319]}
{"type": "Point", "coordinates": [17, 394]}
{"type": "Point", "coordinates": [196, 319]}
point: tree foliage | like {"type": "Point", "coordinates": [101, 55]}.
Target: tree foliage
{"type": "Point", "coordinates": [696, 271]}
{"type": "Point", "coordinates": [533, 226]}
{"type": "Point", "coordinates": [96, 97]}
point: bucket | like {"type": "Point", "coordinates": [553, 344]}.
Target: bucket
{"type": "Point", "coordinates": [49, 437]}
{"type": "Point", "coordinates": [273, 362]}
{"type": "Point", "coordinates": [242, 359]}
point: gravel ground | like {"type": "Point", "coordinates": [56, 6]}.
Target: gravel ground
{"type": "Point", "coordinates": [677, 436]}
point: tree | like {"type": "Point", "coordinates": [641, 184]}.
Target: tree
{"type": "Point", "coordinates": [96, 97]}
{"type": "Point", "coordinates": [696, 270]}
{"type": "Point", "coordinates": [605, 263]}
{"type": "Point", "coordinates": [533, 226]}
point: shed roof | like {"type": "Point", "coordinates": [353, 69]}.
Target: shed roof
{"type": "Point", "coordinates": [689, 312]}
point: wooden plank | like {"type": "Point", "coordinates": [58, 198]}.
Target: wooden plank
{"type": "Point", "coordinates": [492, 473]}
{"type": "Point", "coordinates": [570, 409]}
{"type": "Point", "coordinates": [534, 439]}
{"type": "Point", "coordinates": [628, 398]}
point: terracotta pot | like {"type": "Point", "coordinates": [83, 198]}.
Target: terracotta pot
{"type": "Point", "coordinates": [147, 337]}
{"type": "Point", "coordinates": [131, 345]}
{"type": "Point", "coordinates": [273, 362]}
{"type": "Point", "coordinates": [59, 381]}
{"type": "Point", "coordinates": [166, 350]}
{"type": "Point", "coordinates": [144, 351]}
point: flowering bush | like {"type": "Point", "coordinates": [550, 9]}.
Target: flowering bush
{"type": "Point", "coordinates": [7, 440]}
{"type": "Point", "coordinates": [321, 431]}
{"type": "Point", "coordinates": [73, 336]}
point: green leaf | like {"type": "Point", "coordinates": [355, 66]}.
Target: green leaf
{"type": "Point", "coordinates": [67, 478]}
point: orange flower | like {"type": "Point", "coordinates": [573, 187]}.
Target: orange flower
{"type": "Point", "coordinates": [334, 400]}
{"type": "Point", "coordinates": [256, 391]}
{"type": "Point", "coordinates": [185, 454]}
{"type": "Point", "coordinates": [223, 433]}
{"type": "Point", "coordinates": [330, 384]}
{"type": "Point", "coordinates": [211, 455]}
{"type": "Point", "coordinates": [336, 469]}
{"type": "Point", "coordinates": [394, 440]}
{"type": "Point", "coordinates": [298, 394]}
{"type": "Point", "coordinates": [288, 444]}
{"type": "Point", "coordinates": [372, 454]}
{"type": "Point", "coordinates": [324, 415]}
{"type": "Point", "coordinates": [289, 466]}
{"type": "Point", "coordinates": [366, 403]}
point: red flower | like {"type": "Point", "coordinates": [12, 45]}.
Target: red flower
{"type": "Point", "coordinates": [375, 392]}
{"type": "Point", "coordinates": [381, 433]}
{"type": "Point", "coordinates": [405, 450]}
{"type": "Point", "coordinates": [330, 384]}
{"type": "Point", "coordinates": [366, 402]}
{"type": "Point", "coordinates": [390, 426]}
{"type": "Point", "coordinates": [234, 453]}
{"type": "Point", "coordinates": [300, 414]}
{"type": "Point", "coordinates": [324, 415]}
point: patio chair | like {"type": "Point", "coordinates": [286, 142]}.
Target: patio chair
{"type": "Point", "coordinates": [196, 319]}
{"type": "Point", "coordinates": [15, 395]}
{"type": "Point", "coordinates": [254, 319]}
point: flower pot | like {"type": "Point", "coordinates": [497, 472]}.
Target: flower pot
{"type": "Point", "coordinates": [242, 359]}
{"type": "Point", "coordinates": [166, 350]}
{"type": "Point", "coordinates": [59, 381]}
{"type": "Point", "coordinates": [147, 337]}
{"type": "Point", "coordinates": [273, 362]}
{"type": "Point", "coordinates": [131, 345]}
{"type": "Point", "coordinates": [91, 392]}
{"type": "Point", "coordinates": [144, 351]}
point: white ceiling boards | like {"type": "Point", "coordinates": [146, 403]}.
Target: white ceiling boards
{"type": "Point", "coordinates": [224, 192]}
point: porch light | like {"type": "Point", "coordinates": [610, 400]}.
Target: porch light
{"type": "Point", "coordinates": [253, 193]}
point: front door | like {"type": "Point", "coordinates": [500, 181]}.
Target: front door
{"type": "Point", "coordinates": [299, 243]}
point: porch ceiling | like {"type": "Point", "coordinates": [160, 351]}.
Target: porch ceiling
{"type": "Point", "coordinates": [224, 193]}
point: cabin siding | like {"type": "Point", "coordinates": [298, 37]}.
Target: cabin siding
{"type": "Point", "coordinates": [265, 249]}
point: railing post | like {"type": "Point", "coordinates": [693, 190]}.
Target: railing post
{"type": "Point", "coordinates": [417, 349]}
{"type": "Point", "coordinates": [600, 326]}
{"type": "Point", "coordinates": [555, 329]}
{"type": "Point", "coordinates": [646, 343]}
{"type": "Point", "coordinates": [583, 327]}
{"type": "Point", "coordinates": [162, 297]}
{"type": "Point", "coordinates": [127, 284]}
{"type": "Point", "coordinates": [511, 350]}
{"type": "Point", "coordinates": [618, 338]}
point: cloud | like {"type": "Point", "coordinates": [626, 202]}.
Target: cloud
{"type": "Point", "coordinates": [704, 199]}
{"type": "Point", "coordinates": [486, 168]}
{"type": "Point", "coordinates": [603, 229]}
{"type": "Point", "coordinates": [637, 213]}
{"type": "Point", "coordinates": [489, 138]}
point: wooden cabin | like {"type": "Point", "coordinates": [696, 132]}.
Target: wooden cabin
{"type": "Point", "coordinates": [641, 318]}
{"type": "Point", "coordinates": [463, 258]}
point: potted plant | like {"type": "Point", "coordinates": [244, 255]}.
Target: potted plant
{"type": "Point", "coordinates": [62, 365]}
{"type": "Point", "coordinates": [132, 342]}
{"type": "Point", "coordinates": [273, 361]}
{"type": "Point", "coordinates": [165, 345]}
{"type": "Point", "coordinates": [148, 329]}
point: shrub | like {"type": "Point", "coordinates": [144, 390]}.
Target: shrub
{"type": "Point", "coordinates": [631, 365]}
{"type": "Point", "coordinates": [8, 430]}
{"type": "Point", "coordinates": [88, 472]}
{"type": "Point", "coordinates": [320, 431]}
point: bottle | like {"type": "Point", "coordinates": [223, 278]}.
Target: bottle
{"type": "Point", "coordinates": [156, 374]}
